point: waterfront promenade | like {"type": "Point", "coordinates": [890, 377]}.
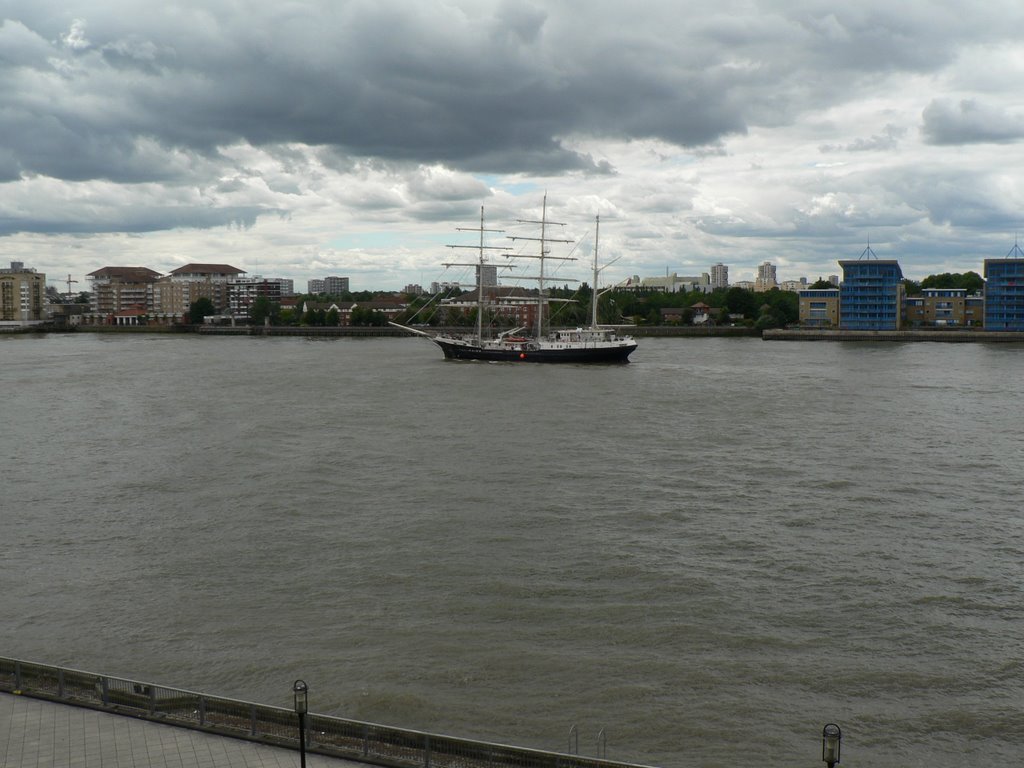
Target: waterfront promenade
{"type": "Point", "coordinates": [82, 727]}
{"type": "Point", "coordinates": [35, 733]}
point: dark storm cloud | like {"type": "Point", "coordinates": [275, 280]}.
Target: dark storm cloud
{"type": "Point", "coordinates": [129, 218]}
{"type": "Point", "coordinates": [483, 88]}
{"type": "Point", "coordinates": [487, 94]}
{"type": "Point", "coordinates": [970, 122]}
{"type": "Point", "coordinates": [136, 116]}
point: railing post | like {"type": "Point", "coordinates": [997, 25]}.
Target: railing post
{"type": "Point", "coordinates": [202, 710]}
{"type": "Point", "coordinates": [366, 740]}
{"type": "Point", "coordinates": [152, 699]}
{"type": "Point", "coordinates": [17, 675]}
{"type": "Point", "coordinates": [252, 717]}
{"type": "Point", "coordinates": [105, 690]}
{"type": "Point", "coordinates": [60, 682]}
{"type": "Point", "coordinates": [426, 751]}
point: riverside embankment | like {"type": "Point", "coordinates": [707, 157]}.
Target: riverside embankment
{"type": "Point", "coordinates": [643, 331]}
{"type": "Point", "coordinates": [353, 740]}
{"type": "Point", "coordinates": [960, 336]}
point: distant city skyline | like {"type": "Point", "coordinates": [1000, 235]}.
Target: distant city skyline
{"type": "Point", "coordinates": [299, 141]}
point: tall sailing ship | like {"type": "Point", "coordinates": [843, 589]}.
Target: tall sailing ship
{"type": "Point", "coordinates": [537, 344]}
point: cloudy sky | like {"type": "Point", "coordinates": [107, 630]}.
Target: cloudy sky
{"type": "Point", "coordinates": [304, 138]}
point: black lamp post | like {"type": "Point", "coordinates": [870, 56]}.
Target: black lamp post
{"type": "Point", "coordinates": [831, 736]}
{"type": "Point", "coordinates": [301, 691]}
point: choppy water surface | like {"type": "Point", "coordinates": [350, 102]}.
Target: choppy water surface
{"type": "Point", "coordinates": [709, 552]}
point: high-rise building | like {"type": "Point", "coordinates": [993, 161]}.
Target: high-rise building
{"type": "Point", "coordinates": [315, 286]}
{"type": "Point", "coordinates": [22, 293]}
{"type": "Point", "coordinates": [243, 291]}
{"type": "Point", "coordinates": [446, 286]}
{"type": "Point", "coordinates": [286, 287]}
{"type": "Point", "coordinates": [486, 275]}
{"type": "Point", "coordinates": [335, 285]}
{"type": "Point", "coordinates": [1004, 292]}
{"type": "Point", "coordinates": [765, 277]}
{"type": "Point", "coordinates": [871, 294]}
{"type": "Point", "coordinates": [719, 276]}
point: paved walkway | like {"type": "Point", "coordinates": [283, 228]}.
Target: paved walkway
{"type": "Point", "coordinates": [43, 734]}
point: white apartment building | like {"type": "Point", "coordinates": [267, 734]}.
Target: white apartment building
{"type": "Point", "coordinates": [243, 291]}
{"type": "Point", "coordinates": [793, 286]}
{"type": "Point", "coordinates": [670, 283]}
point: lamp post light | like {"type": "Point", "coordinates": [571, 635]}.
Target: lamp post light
{"type": "Point", "coordinates": [831, 736]}
{"type": "Point", "coordinates": [301, 691]}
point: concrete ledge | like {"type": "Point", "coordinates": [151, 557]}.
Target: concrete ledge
{"type": "Point", "coordinates": [962, 336]}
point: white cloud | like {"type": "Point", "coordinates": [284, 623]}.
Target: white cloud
{"type": "Point", "coordinates": [289, 136]}
{"type": "Point", "coordinates": [75, 38]}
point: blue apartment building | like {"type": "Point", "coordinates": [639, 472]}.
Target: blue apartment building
{"type": "Point", "coordinates": [870, 295]}
{"type": "Point", "coordinates": [1004, 293]}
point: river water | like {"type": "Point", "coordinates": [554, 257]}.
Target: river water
{"type": "Point", "coordinates": [709, 553]}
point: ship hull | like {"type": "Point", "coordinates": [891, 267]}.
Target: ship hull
{"type": "Point", "coordinates": [612, 353]}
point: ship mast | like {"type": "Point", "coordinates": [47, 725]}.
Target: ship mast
{"type": "Point", "coordinates": [593, 288]}
{"type": "Point", "coordinates": [544, 239]}
{"type": "Point", "coordinates": [597, 271]}
{"type": "Point", "coordinates": [481, 261]}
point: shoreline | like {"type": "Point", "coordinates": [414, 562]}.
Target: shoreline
{"type": "Point", "coordinates": [655, 331]}
{"type": "Point", "coordinates": [946, 336]}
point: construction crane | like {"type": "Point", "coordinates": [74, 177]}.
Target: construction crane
{"type": "Point", "coordinates": [69, 282]}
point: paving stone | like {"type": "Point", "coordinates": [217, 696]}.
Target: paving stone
{"type": "Point", "coordinates": [43, 734]}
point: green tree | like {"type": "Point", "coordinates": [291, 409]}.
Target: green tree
{"type": "Point", "coordinates": [740, 301]}
{"type": "Point", "coordinates": [263, 308]}
{"type": "Point", "coordinates": [364, 316]}
{"type": "Point", "coordinates": [912, 287]}
{"type": "Point", "coordinates": [821, 283]}
{"type": "Point", "coordinates": [971, 281]}
{"type": "Point", "coordinates": [332, 319]}
{"type": "Point", "coordinates": [199, 309]}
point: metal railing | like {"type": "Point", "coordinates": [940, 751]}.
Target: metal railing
{"type": "Point", "coordinates": [333, 736]}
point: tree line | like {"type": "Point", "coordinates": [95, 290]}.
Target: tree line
{"type": "Point", "coordinates": [569, 307]}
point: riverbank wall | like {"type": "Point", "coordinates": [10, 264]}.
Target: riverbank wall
{"type": "Point", "coordinates": [945, 336]}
